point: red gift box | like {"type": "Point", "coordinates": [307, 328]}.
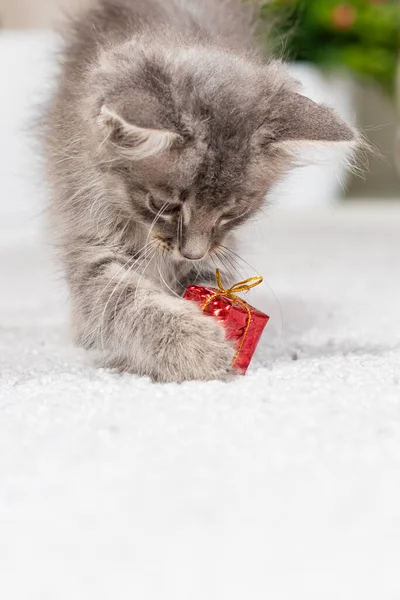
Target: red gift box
{"type": "Point", "coordinates": [242, 322]}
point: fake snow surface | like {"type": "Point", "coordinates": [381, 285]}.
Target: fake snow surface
{"type": "Point", "coordinates": [284, 484]}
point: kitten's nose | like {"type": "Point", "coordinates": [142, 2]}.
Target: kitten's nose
{"type": "Point", "coordinates": [195, 247]}
{"type": "Point", "coordinates": [192, 256]}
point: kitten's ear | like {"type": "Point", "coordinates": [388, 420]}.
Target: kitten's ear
{"type": "Point", "coordinates": [132, 141]}
{"type": "Point", "coordinates": [302, 120]}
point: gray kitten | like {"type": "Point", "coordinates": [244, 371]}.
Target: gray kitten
{"type": "Point", "coordinates": [166, 133]}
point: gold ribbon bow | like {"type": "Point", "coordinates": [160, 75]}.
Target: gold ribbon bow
{"type": "Point", "coordinates": [241, 286]}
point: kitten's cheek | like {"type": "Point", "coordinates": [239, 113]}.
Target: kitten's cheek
{"type": "Point", "coordinates": [217, 240]}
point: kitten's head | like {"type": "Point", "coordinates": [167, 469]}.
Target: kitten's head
{"type": "Point", "coordinates": [195, 138]}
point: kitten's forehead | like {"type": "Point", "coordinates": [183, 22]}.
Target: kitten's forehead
{"type": "Point", "coordinates": [209, 172]}
{"type": "Point", "coordinates": [184, 85]}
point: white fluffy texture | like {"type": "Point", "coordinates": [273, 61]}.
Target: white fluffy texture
{"type": "Point", "coordinates": [284, 484]}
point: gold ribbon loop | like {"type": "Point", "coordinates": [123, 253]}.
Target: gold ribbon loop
{"type": "Point", "coordinates": [241, 286]}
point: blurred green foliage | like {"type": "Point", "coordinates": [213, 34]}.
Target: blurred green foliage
{"type": "Point", "coordinates": [361, 35]}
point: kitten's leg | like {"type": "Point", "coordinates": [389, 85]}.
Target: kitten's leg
{"type": "Point", "coordinates": [143, 330]}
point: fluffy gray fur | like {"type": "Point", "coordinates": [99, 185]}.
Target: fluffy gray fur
{"type": "Point", "coordinates": [166, 133]}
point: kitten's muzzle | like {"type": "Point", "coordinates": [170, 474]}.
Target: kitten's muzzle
{"type": "Point", "coordinates": [195, 246]}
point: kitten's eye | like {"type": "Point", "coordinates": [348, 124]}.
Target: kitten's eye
{"type": "Point", "coordinates": [232, 216]}
{"type": "Point", "coordinates": [161, 207]}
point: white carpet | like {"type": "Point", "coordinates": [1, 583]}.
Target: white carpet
{"type": "Point", "coordinates": [282, 485]}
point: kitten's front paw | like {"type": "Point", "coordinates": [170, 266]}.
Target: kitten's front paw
{"type": "Point", "coordinates": [196, 350]}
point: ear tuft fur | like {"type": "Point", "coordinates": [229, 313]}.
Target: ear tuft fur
{"type": "Point", "coordinates": [131, 141]}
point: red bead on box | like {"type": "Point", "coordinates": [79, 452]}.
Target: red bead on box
{"type": "Point", "coordinates": [242, 322]}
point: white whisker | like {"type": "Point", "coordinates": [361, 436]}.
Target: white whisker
{"type": "Point", "coordinates": [148, 257]}
{"type": "Point", "coordinates": [234, 254]}
{"type": "Point", "coordinates": [124, 266]}
{"type": "Point", "coordinates": [164, 282]}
